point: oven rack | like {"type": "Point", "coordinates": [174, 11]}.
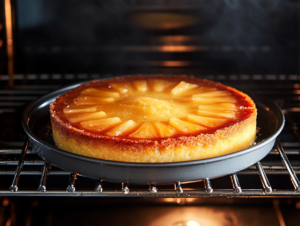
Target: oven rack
{"type": "Point", "coordinates": [29, 164]}
{"type": "Point", "coordinates": [153, 191]}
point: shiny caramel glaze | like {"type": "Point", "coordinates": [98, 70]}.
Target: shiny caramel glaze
{"type": "Point", "coordinates": [67, 128]}
{"type": "Point", "coordinates": [244, 104]}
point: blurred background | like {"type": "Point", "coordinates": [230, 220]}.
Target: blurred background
{"type": "Point", "coordinates": [159, 36]}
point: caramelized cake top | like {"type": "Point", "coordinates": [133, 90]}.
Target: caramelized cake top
{"type": "Point", "coordinates": [151, 107]}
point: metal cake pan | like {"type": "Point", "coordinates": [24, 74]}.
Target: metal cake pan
{"type": "Point", "coordinates": [36, 123]}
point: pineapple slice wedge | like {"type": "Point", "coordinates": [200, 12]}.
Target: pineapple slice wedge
{"type": "Point", "coordinates": [101, 125]}
{"type": "Point", "coordinates": [100, 93]}
{"type": "Point", "coordinates": [125, 87]}
{"type": "Point", "coordinates": [140, 85]}
{"type": "Point", "coordinates": [123, 129]}
{"type": "Point", "coordinates": [213, 100]}
{"type": "Point", "coordinates": [199, 90]}
{"type": "Point", "coordinates": [89, 100]}
{"type": "Point", "coordinates": [86, 117]}
{"type": "Point", "coordinates": [146, 131]}
{"type": "Point", "coordinates": [164, 130]}
{"type": "Point", "coordinates": [213, 94]}
{"type": "Point", "coordinates": [218, 114]}
{"type": "Point", "coordinates": [183, 87]}
{"type": "Point", "coordinates": [159, 85]}
{"type": "Point", "coordinates": [186, 127]}
{"type": "Point", "coordinates": [218, 107]}
{"type": "Point", "coordinates": [206, 121]}
{"type": "Point", "coordinates": [74, 109]}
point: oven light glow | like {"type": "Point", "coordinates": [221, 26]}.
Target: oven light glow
{"type": "Point", "coordinates": [192, 223]}
{"type": "Point", "coordinates": [186, 223]}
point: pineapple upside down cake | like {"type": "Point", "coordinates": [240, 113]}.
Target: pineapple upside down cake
{"type": "Point", "coordinates": [153, 119]}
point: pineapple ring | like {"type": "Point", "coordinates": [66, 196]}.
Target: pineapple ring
{"type": "Point", "coordinates": [151, 109]}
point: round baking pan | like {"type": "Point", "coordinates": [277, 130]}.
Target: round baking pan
{"type": "Point", "coordinates": [36, 123]}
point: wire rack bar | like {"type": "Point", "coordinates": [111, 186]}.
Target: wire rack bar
{"type": "Point", "coordinates": [229, 193]}
{"type": "Point", "coordinates": [99, 187]}
{"type": "Point", "coordinates": [42, 186]}
{"type": "Point", "coordinates": [125, 188]}
{"type": "Point", "coordinates": [288, 166]}
{"type": "Point", "coordinates": [269, 170]}
{"type": "Point", "coordinates": [178, 187]}
{"type": "Point", "coordinates": [207, 186]}
{"type": "Point", "coordinates": [71, 188]}
{"type": "Point", "coordinates": [14, 185]}
{"type": "Point", "coordinates": [152, 188]}
{"type": "Point", "coordinates": [178, 190]}
{"type": "Point", "coordinates": [235, 183]}
{"type": "Point", "coordinates": [263, 177]}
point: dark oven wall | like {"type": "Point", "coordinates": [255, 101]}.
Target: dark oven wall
{"type": "Point", "coordinates": [187, 37]}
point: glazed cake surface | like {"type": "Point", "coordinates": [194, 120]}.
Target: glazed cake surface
{"type": "Point", "coordinates": [153, 119]}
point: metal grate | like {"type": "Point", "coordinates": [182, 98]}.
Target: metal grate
{"type": "Point", "coordinates": [277, 172]}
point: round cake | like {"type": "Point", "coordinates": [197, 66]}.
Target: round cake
{"type": "Point", "coordinates": [153, 119]}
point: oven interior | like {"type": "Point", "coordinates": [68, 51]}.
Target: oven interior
{"type": "Point", "coordinates": [45, 45]}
